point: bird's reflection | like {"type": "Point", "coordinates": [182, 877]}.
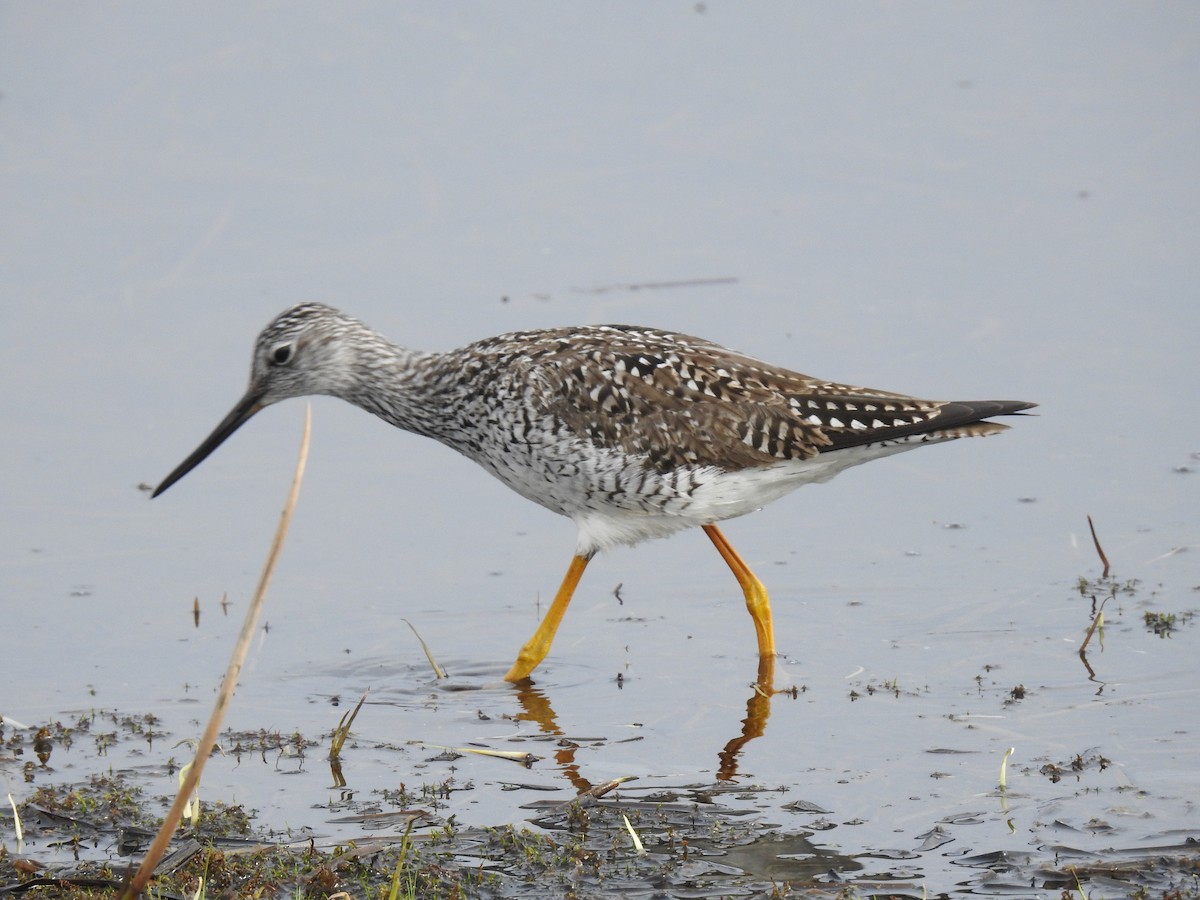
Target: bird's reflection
{"type": "Point", "coordinates": [537, 708]}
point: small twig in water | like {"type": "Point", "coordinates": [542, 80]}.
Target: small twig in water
{"type": "Point", "coordinates": [1099, 550]}
{"type": "Point", "coordinates": [601, 789]}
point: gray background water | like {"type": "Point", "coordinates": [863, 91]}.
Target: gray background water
{"type": "Point", "coordinates": [944, 199]}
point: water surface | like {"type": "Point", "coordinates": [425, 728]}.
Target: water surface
{"type": "Point", "coordinates": [948, 201]}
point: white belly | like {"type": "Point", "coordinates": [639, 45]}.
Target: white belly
{"type": "Point", "coordinates": [614, 501]}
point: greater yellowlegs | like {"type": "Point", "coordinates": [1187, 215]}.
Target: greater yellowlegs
{"type": "Point", "coordinates": [631, 432]}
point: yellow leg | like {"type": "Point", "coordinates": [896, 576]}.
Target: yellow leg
{"type": "Point", "coordinates": [756, 595]}
{"type": "Point", "coordinates": [538, 646]}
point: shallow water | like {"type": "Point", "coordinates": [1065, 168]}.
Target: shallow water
{"type": "Point", "coordinates": [1011, 211]}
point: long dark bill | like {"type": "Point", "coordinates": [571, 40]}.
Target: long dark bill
{"type": "Point", "coordinates": [238, 416]}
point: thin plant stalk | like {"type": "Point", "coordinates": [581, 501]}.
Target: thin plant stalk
{"type": "Point", "coordinates": [209, 739]}
{"type": "Point", "coordinates": [394, 893]}
{"type": "Point", "coordinates": [343, 729]}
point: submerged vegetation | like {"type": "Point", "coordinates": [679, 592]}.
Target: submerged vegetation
{"type": "Point", "coordinates": [583, 848]}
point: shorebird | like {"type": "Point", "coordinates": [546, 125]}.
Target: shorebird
{"type": "Point", "coordinates": [631, 432]}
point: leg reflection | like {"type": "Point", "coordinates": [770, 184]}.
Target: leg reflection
{"type": "Point", "coordinates": [758, 710]}
{"type": "Point", "coordinates": [538, 709]}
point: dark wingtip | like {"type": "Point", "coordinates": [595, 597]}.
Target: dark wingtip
{"type": "Point", "coordinates": [985, 409]}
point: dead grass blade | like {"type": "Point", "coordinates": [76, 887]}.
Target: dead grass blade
{"type": "Point", "coordinates": [517, 756]}
{"type": "Point", "coordinates": [438, 671]}
{"type": "Point", "coordinates": [1097, 620]}
{"type": "Point", "coordinates": [17, 824]}
{"type": "Point", "coordinates": [142, 877]}
{"type": "Point", "coordinates": [637, 841]}
{"type": "Point", "coordinates": [1004, 768]}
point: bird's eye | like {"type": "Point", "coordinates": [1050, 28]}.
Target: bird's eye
{"type": "Point", "coordinates": [281, 354]}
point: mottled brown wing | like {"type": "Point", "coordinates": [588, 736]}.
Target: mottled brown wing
{"type": "Point", "coordinates": [679, 400]}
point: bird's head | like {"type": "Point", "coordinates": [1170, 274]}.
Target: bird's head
{"type": "Point", "coordinates": [303, 351]}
